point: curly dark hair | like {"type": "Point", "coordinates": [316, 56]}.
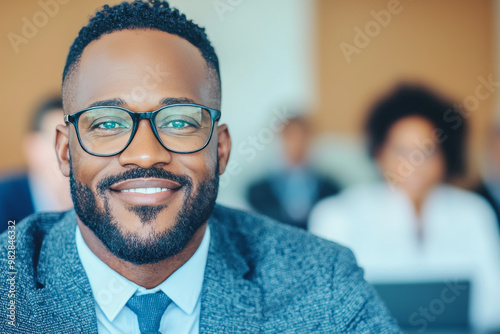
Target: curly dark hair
{"type": "Point", "coordinates": [413, 100]}
{"type": "Point", "coordinates": [139, 14]}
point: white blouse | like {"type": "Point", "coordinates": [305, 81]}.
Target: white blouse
{"type": "Point", "coordinates": [460, 240]}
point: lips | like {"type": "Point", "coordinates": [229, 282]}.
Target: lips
{"type": "Point", "coordinates": [147, 183]}
{"type": "Point", "coordinates": [145, 191]}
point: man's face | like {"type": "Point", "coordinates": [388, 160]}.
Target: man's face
{"type": "Point", "coordinates": [296, 142]}
{"type": "Point", "coordinates": [138, 69]}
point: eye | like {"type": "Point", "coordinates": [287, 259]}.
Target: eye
{"type": "Point", "coordinates": [177, 124]}
{"type": "Point", "coordinates": [109, 125]}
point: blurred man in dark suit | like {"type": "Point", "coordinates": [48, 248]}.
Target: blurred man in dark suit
{"type": "Point", "coordinates": [289, 194]}
{"type": "Point", "coordinates": [42, 187]}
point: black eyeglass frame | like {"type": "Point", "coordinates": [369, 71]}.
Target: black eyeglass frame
{"type": "Point", "coordinates": [136, 118]}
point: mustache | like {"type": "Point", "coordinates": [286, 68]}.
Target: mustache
{"type": "Point", "coordinates": [139, 172]}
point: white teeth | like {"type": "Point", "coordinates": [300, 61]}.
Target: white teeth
{"type": "Point", "coordinates": [145, 190]}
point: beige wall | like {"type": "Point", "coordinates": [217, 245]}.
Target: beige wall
{"type": "Point", "coordinates": [447, 44]}
{"type": "Point", "coordinates": [36, 69]}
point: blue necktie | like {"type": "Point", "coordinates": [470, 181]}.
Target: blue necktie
{"type": "Point", "coordinates": [149, 309]}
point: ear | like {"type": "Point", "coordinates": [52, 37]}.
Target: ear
{"type": "Point", "coordinates": [62, 148]}
{"type": "Point", "coordinates": [223, 147]}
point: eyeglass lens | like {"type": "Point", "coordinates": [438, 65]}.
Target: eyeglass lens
{"type": "Point", "coordinates": [108, 130]}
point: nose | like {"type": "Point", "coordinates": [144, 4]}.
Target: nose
{"type": "Point", "coordinates": [145, 150]}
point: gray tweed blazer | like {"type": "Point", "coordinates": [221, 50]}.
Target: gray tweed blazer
{"type": "Point", "coordinates": [260, 277]}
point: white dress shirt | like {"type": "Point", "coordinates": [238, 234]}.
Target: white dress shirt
{"type": "Point", "coordinates": [112, 291]}
{"type": "Point", "coordinates": [460, 240]}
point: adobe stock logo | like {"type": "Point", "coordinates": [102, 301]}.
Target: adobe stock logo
{"type": "Point", "coordinates": [224, 6]}
{"type": "Point", "coordinates": [430, 313]}
{"type": "Point", "coordinates": [373, 28]}
{"type": "Point", "coordinates": [32, 25]}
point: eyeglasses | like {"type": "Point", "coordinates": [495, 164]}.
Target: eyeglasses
{"type": "Point", "coordinates": [180, 128]}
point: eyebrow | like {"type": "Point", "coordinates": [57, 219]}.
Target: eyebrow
{"type": "Point", "coordinates": [121, 103]}
{"type": "Point", "coordinates": [108, 103]}
{"type": "Point", "coordinates": [174, 100]}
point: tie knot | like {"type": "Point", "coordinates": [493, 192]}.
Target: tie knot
{"type": "Point", "coordinates": [149, 310]}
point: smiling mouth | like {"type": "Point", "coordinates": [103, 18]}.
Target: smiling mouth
{"type": "Point", "coordinates": [145, 191]}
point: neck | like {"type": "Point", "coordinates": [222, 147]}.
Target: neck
{"type": "Point", "coordinates": [417, 205]}
{"type": "Point", "coordinates": [147, 275]}
{"type": "Point", "coordinates": [419, 199]}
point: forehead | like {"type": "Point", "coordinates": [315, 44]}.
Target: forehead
{"type": "Point", "coordinates": [141, 67]}
{"type": "Point", "coordinates": [409, 128]}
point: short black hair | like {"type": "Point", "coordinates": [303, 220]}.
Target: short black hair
{"type": "Point", "coordinates": [42, 109]}
{"type": "Point", "coordinates": [139, 14]}
{"type": "Point", "coordinates": [415, 100]}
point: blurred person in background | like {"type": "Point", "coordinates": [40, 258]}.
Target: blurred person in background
{"type": "Point", "coordinates": [42, 187]}
{"type": "Point", "coordinates": [415, 226]}
{"type": "Point", "coordinates": [489, 187]}
{"type": "Point", "coordinates": [289, 194]}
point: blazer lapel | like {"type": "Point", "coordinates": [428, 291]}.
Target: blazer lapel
{"type": "Point", "coordinates": [229, 303]}
{"type": "Point", "coordinates": [64, 300]}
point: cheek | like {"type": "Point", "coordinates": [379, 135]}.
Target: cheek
{"type": "Point", "coordinates": [200, 166]}
{"type": "Point", "coordinates": [87, 169]}
{"type": "Point", "coordinates": [436, 168]}
{"type": "Point", "coordinates": [431, 173]}
{"type": "Point", "coordinates": [203, 168]}
{"type": "Point", "coordinates": [387, 161]}
{"type": "Point", "coordinates": [392, 162]}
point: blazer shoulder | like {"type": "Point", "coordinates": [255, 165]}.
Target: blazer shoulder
{"type": "Point", "coordinates": [35, 225]}
{"type": "Point", "coordinates": [25, 238]}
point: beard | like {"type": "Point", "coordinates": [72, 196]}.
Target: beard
{"type": "Point", "coordinates": [195, 211]}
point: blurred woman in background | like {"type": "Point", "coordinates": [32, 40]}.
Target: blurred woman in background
{"type": "Point", "coordinates": [415, 226]}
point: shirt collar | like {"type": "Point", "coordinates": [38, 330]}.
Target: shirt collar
{"type": "Point", "coordinates": [112, 291]}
